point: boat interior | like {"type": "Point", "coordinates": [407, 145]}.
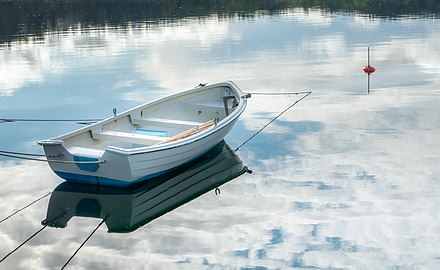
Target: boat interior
{"type": "Point", "coordinates": [158, 123]}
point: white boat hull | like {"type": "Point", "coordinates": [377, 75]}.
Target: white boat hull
{"type": "Point", "coordinates": [119, 166]}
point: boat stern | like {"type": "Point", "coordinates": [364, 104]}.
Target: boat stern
{"type": "Point", "coordinates": [87, 165]}
{"type": "Point", "coordinates": [54, 150]}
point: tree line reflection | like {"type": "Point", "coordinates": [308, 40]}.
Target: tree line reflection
{"type": "Point", "coordinates": [24, 19]}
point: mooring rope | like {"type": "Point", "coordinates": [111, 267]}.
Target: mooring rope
{"type": "Point", "coordinates": [273, 119]}
{"type": "Point", "coordinates": [21, 153]}
{"type": "Point", "coordinates": [24, 207]}
{"type": "Point", "coordinates": [79, 121]}
{"type": "Point", "coordinates": [22, 244]}
{"type": "Point", "coordinates": [24, 156]}
{"type": "Point", "coordinates": [83, 243]}
{"type": "Point", "coordinates": [56, 161]}
{"type": "Point", "coordinates": [29, 238]}
{"type": "Point", "coordinates": [279, 93]}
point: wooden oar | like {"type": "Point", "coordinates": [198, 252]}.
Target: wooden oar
{"type": "Point", "coordinates": [190, 132]}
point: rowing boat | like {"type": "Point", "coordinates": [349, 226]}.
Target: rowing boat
{"type": "Point", "coordinates": [148, 140]}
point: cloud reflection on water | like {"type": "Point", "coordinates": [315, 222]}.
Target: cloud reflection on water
{"type": "Point", "coordinates": [344, 180]}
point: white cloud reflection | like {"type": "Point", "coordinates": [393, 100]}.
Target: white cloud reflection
{"type": "Point", "coordinates": [360, 192]}
{"type": "Point", "coordinates": [17, 68]}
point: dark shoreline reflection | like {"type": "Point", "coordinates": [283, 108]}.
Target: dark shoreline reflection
{"type": "Point", "coordinates": [128, 209]}
{"type": "Point", "coordinates": [30, 19]}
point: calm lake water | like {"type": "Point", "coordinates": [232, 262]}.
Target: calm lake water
{"type": "Point", "coordinates": [343, 180]}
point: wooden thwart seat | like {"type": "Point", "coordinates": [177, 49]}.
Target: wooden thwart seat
{"type": "Point", "coordinates": [164, 122]}
{"type": "Point", "coordinates": [128, 137]}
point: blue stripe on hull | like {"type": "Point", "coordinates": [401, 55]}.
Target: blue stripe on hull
{"type": "Point", "coordinates": [91, 167]}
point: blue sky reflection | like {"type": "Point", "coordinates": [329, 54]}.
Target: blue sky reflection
{"type": "Point", "coordinates": [344, 180]}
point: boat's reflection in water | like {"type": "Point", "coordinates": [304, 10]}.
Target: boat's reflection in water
{"type": "Point", "coordinates": [128, 209]}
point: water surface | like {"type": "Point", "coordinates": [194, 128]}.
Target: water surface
{"type": "Point", "coordinates": [344, 180]}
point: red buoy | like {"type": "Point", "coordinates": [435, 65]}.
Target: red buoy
{"type": "Point", "coordinates": [369, 69]}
